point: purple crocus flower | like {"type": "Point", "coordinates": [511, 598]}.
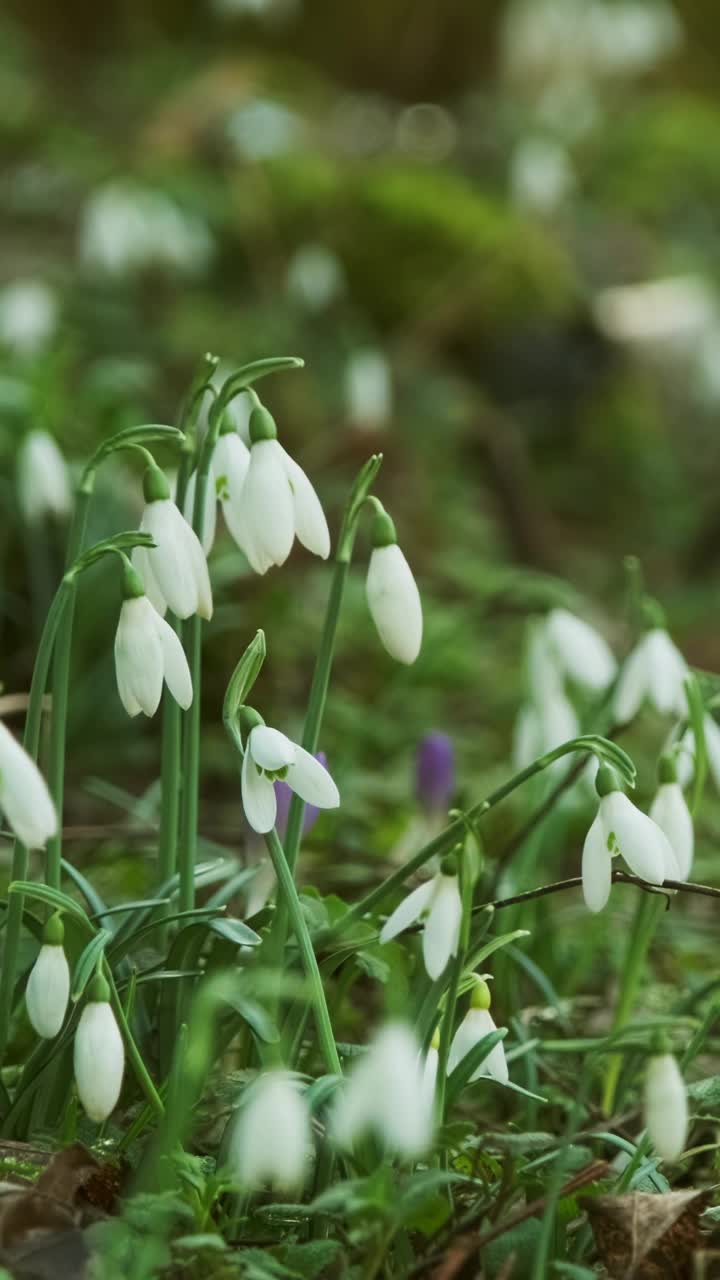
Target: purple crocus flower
{"type": "Point", "coordinates": [435, 773]}
{"type": "Point", "coordinates": [284, 796]}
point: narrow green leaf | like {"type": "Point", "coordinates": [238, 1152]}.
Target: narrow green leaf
{"type": "Point", "coordinates": [53, 897]}
{"type": "Point", "coordinates": [242, 680]}
{"type": "Point", "coordinates": [235, 931]}
{"type": "Point", "coordinates": [470, 1063]}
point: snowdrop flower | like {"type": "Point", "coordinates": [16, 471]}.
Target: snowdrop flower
{"type": "Point", "coordinates": [315, 277]}
{"type": "Point", "coordinates": [478, 1023]}
{"type": "Point", "coordinates": [272, 1139]}
{"type": "Point", "coordinates": [28, 315]}
{"type": "Point", "coordinates": [228, 472]}
{"type": "Point", "coordinates": [48, 987]}
{"type": "Point", "coordinates": [277, 502]}
{"type": "Point", "coordinates": [126, 229]}
{"type": "Point", "coordinates": [264, 880]}
{"type": "Point", "coordinates": [686, 756]}
{"type": "Point", "coordinates": [621, 828]}
{"type": "Point", "coordinates": [24, 796]}
{"type": "Point", "coordinates": [99, 1056]}
{"type": "Point", "coordinates": [670, 811]}
{"type": "Point", "coordinates": [43, 479]}
{"type": "Point", "coordinates": [665, 1106]}
{"type": "Point", "coordinates": [541, 726]}
{"type": "Point", "coordinates": [392, 594]}
{"type": "Point", "coordinates": [269, 755]}
{"type": "Point", "coordinates": [655, 671]}
{"type": "Point", "coordinates": [439, 904]}
{"type": "Point", "coordinates": [581, 652]}
{"type": "Point", "coordinates": [368, 390]}
{"type": "Point", "coordinates": [385, 1095]}
{"type": "Point", "coordinates": [147, 651]}
{"type": "Point", "coordinates": [435, 773]}
{"type": "Point", "coordinates": [174, 571]}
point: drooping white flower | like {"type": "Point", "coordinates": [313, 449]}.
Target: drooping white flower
{"type": "Point", "coordinates": [686, 755]}
{"type": "Point", "coordinates": [670, 811]}
{"type": "Point", "coordinates": [174, 571]}
{"type": "Point", "coordinates": [478, 1023]}
{"type": "Point", "coordinates": [98, 1054]}
{"type": "Point", "coordinates": [392, 594]}
{"type": "Point", "coordinates": [43, 479]}
{"type": "Point", "coordinates": [48, 987]}
{"type": "Point", "coordinates": [28, 315]}
{"type": "Point", "coordinates": [24, 796]}
{"type": "Point", "coordinates": [385, 1095]}
{"type": "Point", "coordinates": [439, 904]}
{"type": "Point", "coordinates": [127, 228]}
{"type": "Point", "coordinates": [665, 1106]}
{"type": "Point", "coordinates": [277, 502]}
{"type": "Point", "coordinates": [272, 1139]}
{"type": "Point", "coordinates": [543, 725]}
{"type": "Point", "coordinates": [147, 651]}
{"type": "Point", "coordinates": [581, 652]}
{"type": "Point", "coordinates": [315, 276]}
{"type": "Point", "coordinates": [654, 672]}
{"type": "Point", "coordinates": [368, 390]}
{"type": "Point", "coordinates": [619, 827]}
{"type": "Point", "coordinates": [270, 755]}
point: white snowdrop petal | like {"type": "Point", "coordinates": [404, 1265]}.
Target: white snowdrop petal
{"type": "Point", "coordinates": [631, 686]}
{"type": "Point", "coordinates": [310, 523]}
{"type": "Point", "coordinates": [526, 737]}
{"type": "Point", "coordinates": [665, 1106]}
{"type": "Point", "coordinates": [394, 603]}
{"type": "Point", "coordinates": [312, 782]}
{"type": "Point", "coordinates": [139, 656]}
{"type": "Point", "coordinates": [141, 563]}
{"type": "Point", "coordinates": [231, 461]}
{"type": "Point", "coordinates": [270, 748]}
{"type": "Point", "coordinates": [461, 1044]}
{"type": "Point", "coordinates": [596, 867]}
{"type": "Point", "coordinates": [558, 722]}
{"type": "Point", "coordinates": [642, 844]}
{"type": "Point", "coordinates": [384, 1094]}
{"type": "Point", "coordinates": [272, 1138]}
{"type": "Point", "coordinates": [583, 653]}
{"type": "Point", "coordinates": [442, 927]}
{"type": "Point", "coordinates": [43, 478]}
{"type": "Point", "coordinates": [209, 515]}
{"type": "Point", "coordinates": [494, 1064]}
{"type": "Point", "coordinates": [666, 671]}
{"type": "Point", "coordinates": [670, 812]}
{"type": "Point", "coordinates": [195, 557]}
{"type": "Point", "coordinates": [175, 663]}
{"type": "Point", "coordinates": [48, 991]}
{"type": "Point", "coordinates": [268, 502]}
{"type": "Point", "coordinates": [168, 560]}
{"type": "Point", "coordinates": [99, 1060]}
{"type": "Point", "coordinates": [244, 537]}
{"type": "Point", "coordinates": [258, 797]}
{"type": "Point", "coordinates": [408, 911]}
{"type": "Point", "coordinates": [24, 796]}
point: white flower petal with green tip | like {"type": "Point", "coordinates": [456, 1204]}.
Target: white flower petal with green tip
{"type": "Point", "coordinates": [596, 867]}
{"type": "Point", "coordinates": [394, 603]}
{"type": "Point", "coordinates": [24, 796]}
{"type": "Point", "coordinates": [267, 503]}
{"type": "Point", "coordinates": [310, 523]}
{"type": "Point", "coordinates": [442, 927]}
{"type": "Point", "coordinates": [48, 991]}
{"type": "Point", "coordinates": [177, 560]}
{"type": "Point", "coordinates": [139, 656]}
{"type": "Point", "coordinates": [408, 911]}
{"type": "Point", "coordinates": [258, 797]}
{"type": "Point", "coordinates": [270, 748]}
{"type": "Point", "coordinates": [477, 1024]}
{"type": "Point", "coordinates": [311, 780]}
{"type": "Point", "coordinates": [670, 812]}
{"type": "Point", "coordinates": [640, 841]}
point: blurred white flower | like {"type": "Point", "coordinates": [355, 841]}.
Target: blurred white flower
{"type": "Point", "coordinates": [48, 987]}
{"type": "Point", "coordinates": [99, 1056]}
{"type": "Point", "coordinates": [665, 1108]}
{"type": "Point", "coordinates": [148, 651]}
{"type": "Point", "coordinates": [385, 1095]}
{"type": "Point", "coordinates": [272, 1140]}
{"type": "Point", "coordinates": [671, 313]}
{"type": "Point", "coordinates": [392, 594]}
{"type": "Point", "coordinates": [686, 755]}
{"type": "Point", "coordinates": [262, 128]}
{"type": "Point", "coordinates": [277, 502]}
{"type": "Point", "coordinates": [580, 651]}
{"type": "Point", "coordinates": [126, 228]}
{"type": "Point", "coordinates": [542, 725]}
{"type": "Point", "coordinates": [654, 672]}
{"type": "Point", "coordinates": [368, 390]}
{"type": "Point", "coordinates": [174, 571]}
{"type": "Point", "coordinates": [28, 316]}
{"type": "Point", "coordinates": [315, 277]}
{"type": "Point", "coordinates": [43, 479]}
{"type": "Point", "coordinates": [621, 828]}
{"type": "Point", "coordinates": [24, 796]}
{"type": "Point", "coordinates": [439, 904]}
{"type": "Point", "coordinates": [541, 174]}
{"type": "Point", "coordinates": [270, 755]}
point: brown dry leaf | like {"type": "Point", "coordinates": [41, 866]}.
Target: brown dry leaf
{"type": "Point", "coordinates": [647, 1237]}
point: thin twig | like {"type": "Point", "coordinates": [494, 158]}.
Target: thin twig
{"type": "Point", "coordinates": [618, 877]}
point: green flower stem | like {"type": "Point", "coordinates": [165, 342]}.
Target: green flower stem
{"type": "Point", "coordinates": [456, 831]}
{"type": "Point", "coordinates": [451, 998]}
{"type": "Point", "coordinates": [134, 1054]}
{"type": "Point", "coordinates": [31, 743]}
{"type": "Point", "coordinates": [290, 897]}
{"type": "Point", "coordinates": [60, 681]}
{"type": "Point", "coordinates": [647, 916]}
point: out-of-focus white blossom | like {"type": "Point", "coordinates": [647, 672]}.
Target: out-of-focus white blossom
{"type": "Point", "coordinates": [127, 228]}
{"type": "Point", "coordinates": [272, 1141]}
{"type": "Point", "coordinates": [28, 316]}
{"type": "Point", "coordinates": [386, 1095]}
{"type": "Point", "coordinates": [368, 390]}
{"type": "Point", "coordinates": [44, 487]}
{"type": "Point", "coordinates": [654, 672]}
{"type": "Point", "coordinates": [315, 277]}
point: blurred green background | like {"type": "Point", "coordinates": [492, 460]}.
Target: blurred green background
{"type": "Point", "coordinates": [492, 230]}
